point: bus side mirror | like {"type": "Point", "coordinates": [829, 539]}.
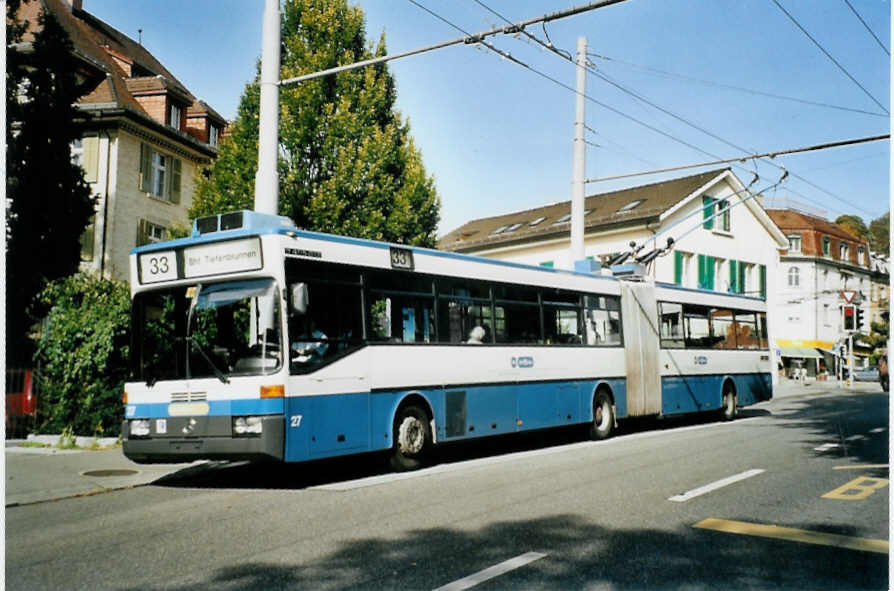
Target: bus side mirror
{"type": "Point", "coordinates": [299, 298]}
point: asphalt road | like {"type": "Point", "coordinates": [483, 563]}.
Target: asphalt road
{"type": "Point", "coordinates": [794, 494]}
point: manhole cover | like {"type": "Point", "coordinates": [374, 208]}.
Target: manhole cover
{"type": "Point", "coordinates": [103, 473]}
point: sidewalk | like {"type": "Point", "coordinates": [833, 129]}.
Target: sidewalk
{"type": "Point", "coordinates": [788, 387]}
{"type": "Point", "coordinates": [35, 475]}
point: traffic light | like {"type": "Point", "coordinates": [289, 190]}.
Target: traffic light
{"type": "Point", "coordinates": [859, 325]}
{"type": "Point", "coordinates": [848, 314]}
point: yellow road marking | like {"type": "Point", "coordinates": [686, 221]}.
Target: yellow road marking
{"type": "Point", "coordinates": [861, 467]}
{"type": "Point", "coordinates": [794, 535]}
{"type": "Point", "coordinates": [857, 489]}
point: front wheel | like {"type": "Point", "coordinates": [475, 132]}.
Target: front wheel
{"type": "Point", "coordinates": [412, 439]}
{"type": "Point", "coordinates": [603, 417]}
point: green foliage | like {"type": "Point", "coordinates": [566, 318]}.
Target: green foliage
{"type": "Point", "coordinates": [50, 203]}
{"type": "Point", "coordinates": [83, 355]}
{"type": "Point", "coordinates": [347, 162]}
{"type": "Point", "coordinates": [880, 234]}
{"type": "Point", "coordinates": [854, 225]}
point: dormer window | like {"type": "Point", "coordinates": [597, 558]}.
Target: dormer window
{"type": "Point", "coordinates": [537, 221]}
{"type": "Point", "coordinates": [794, 243]}
{"type": "Point", "coordinates": [843, 251]}
{"type": "Point", "coordinates": [213, 135]}
{"type": "Point", "coordinates": [174, 116]}
{"type": "Point", "coordinates": [630, 205]}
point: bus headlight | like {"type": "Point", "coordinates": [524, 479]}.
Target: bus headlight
{"type": "Point", "coordinates": [247, 425]}
{"type": "Point", "coordinates": [139, 428]}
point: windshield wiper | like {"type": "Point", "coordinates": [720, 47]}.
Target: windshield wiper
{"type": "Point", "coordinates": [220, 375]}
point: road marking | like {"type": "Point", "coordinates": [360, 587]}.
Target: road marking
{"type": "Point", "coordinates": [794, 535]}
{"type": "Point", "coordinates": [861, 467]}
{"type": "Point", "coordinates": [856, 438]}
{"type": "Point", "coordinates": [878, 430]}
{"type": "Point", "coordinates": [827, 446]}
{"type": "Point", "coordinates": [714, 486]}
{"type": "Point", "coordinates": [492, 572]}
{"type": "Point", "coordinates": [857, 489]}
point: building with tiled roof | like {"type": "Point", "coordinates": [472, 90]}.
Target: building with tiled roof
{"type": "Point", "coordinates": [824, 269]}
{"type": "Point", "coordinates": [146, 138]}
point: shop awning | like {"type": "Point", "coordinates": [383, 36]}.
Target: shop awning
{"type": "Point", "coordinates": [803, 352]}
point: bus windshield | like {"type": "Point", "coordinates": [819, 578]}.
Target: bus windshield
{"type": "Point", "coordinates": [207, 330]}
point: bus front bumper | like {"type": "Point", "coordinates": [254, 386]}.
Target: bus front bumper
{"type": "Point", "coordinates": [186, 439]}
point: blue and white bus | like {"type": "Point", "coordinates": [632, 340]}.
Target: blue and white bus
{"type": "Point", "coordinates": [253, 339]}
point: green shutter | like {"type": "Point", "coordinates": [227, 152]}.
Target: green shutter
{"type": "Point", "coordinates": [145, 168]}
{"type": "Point", "coordinates": [548, 264]}
{"type": "Point", "coordinates": [142, 233]}
{"type": "Point", "coordinates": [678, 267]}
{"type": "Point", "coordinates": [706, 272]}
{"type": "Point", "coordinates": [762, 272]}
{"type": "Point", "coordinates": [741, 283]}
{"type": "Point", "coordinates": [710, 263]}
{"type": "Point", "coordinates": [707, 212]}
{"type": "Point", "coordinates": [174, 179]}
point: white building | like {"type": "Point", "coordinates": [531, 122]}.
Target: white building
{"type": "Point", "coordinates": [738, 251]}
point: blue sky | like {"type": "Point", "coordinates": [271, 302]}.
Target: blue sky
{"type": "Point", "coordinates": [497, 137]}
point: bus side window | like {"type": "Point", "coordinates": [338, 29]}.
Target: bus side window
{"type": "Point", "coordinates": [603, 325]}
{"type": "Point", "coordinates": [724, 329]}
{"type": "Point", "coordinates": [697, 327]}
{"type": "Point", "coordinates": [747, 336]}
{"type": "Point", "coordinates": [401, 318]}
{"type": "Point", "coordinates": [671, 321]}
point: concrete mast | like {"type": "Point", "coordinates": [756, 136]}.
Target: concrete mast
{"type": "Point", "coordinates": [267, 178]}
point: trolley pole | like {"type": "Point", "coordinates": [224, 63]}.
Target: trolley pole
{"type": "Point", "coordinates": [267, 178]}
{"type": "Point", "coordinates": [578, 183]}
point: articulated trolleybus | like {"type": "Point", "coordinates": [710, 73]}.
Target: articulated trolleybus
{"type": "Point", "coordinates": [253, 339]}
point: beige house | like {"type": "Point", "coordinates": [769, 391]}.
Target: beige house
{"type": "Point", "coordinates": [146, 138]}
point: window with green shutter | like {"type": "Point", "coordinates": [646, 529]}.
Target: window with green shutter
{"type": "Point", "coordinates": [762, 278]}
{"type": "Point", "coordinates": [706, 272]}
{"type": "Point", "coordinates": [734, 276]}
{"type": "Point", "coordinates": [708, 212]}
{"type": "Point", "coordinates": [160, 174]}
{"type": "Point", "coordinates": [678, 267]}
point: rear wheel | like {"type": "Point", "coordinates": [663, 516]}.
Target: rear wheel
{"type": "Point", "coordinates": [603, 417]}
{"type": "Point", "coordinates": [412, 438]}
{"type": "Point", "coordinates": [729, 409]}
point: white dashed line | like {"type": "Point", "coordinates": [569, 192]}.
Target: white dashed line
{"type": "Point", "coordinates": [827, 446]}
{"type": "Point", "coordinates": [878, 430]}
{"type": "Point", "coordinates": [714, 486]}
{"type": "Point", "coordinates": [492, 572]}
{"type": "Point", "coordinates": [856, 438]}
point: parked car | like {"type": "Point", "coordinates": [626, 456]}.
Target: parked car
{"type": "Point", "coordinates": [867, 374]}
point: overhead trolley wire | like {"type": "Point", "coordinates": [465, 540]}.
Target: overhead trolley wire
{"type": "Point", "coordinates": [737, 88]}
{"type": "Point", "coordinates": [563, 55]}
{"type": "Point", "coordinates": [857, 14]}
{"type": "Point", "coordinates": [828, 55]}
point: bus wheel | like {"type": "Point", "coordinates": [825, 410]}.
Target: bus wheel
{"type": "Point", "coordinates": [603, 417]}
{"type": "Point", "coordinates": [412, 438]}
{"type": "Point", "coordinates": [729, 410]}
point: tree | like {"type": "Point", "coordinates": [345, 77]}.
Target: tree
{"type": "Point", "coordinates": [49, 202]}
{"type": "Point", "coordinates": [347, 162]}
{"type": "Point", "coordinates": [879, 234]}
{"type": "Point", "coordinates": [854, 225]}
{"type": "Point", "coordinates": [83, 355]}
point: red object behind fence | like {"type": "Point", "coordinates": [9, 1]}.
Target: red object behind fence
{"type": "Point", "coordinates": [21, 398]}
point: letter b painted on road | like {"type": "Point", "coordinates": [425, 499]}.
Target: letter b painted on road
{"type": "Point", "coordinates": [857, 489]}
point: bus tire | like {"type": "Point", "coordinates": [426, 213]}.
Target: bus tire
{"type": "Point", "coordinates": [603, 417]}
{"type": "Point", "coordinates": [729, 404]}
{"type": "Point", "coordinates": [412, 438]}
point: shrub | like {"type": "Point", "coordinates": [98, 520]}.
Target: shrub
{"type": "Point", "coordinates": [83, 355]}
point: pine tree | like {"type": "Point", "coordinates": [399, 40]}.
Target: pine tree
{"type": "Point", "coordinates": [347, 162]}
{"type": "Point", "coordinates": [49, 202]}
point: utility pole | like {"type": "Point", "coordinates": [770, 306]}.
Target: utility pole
{"type": "Point", "coordinates": [267, 178]}
{"type": "Point", "coordinates": [578, 180]}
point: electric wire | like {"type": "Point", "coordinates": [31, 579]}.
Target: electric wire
{"type": "Point", "coordinates": [828, 55]}
{"type": "Point", "coordinates": [857, 14]}
{"type": "Point", "coordinates": [752, 91]}
{"type": "Point", "coordinates": [561, 54]}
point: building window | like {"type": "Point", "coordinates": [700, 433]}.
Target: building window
{"type": "Point", "coordinates": [174, 118]}
{"type": "Point", "coordinates": [213, 135]}
{"type": "Point", "coordinates": [793, 277]}
{"type": "Point", "coordinates": [159, 174]}
{"type": "Point", "coordinates": [537, 221]}
{"type": "Point", "coordinates": [794, 243]}
{"type": "Point", "coordinates": [87, 240]}
{"type": "Point", "coordinates": [861, 256]}
{"type": "Point", "coordinates": [149, 233]}
{"type": "Point", "coordinates": [843, 251]}
{"type": "Point", "coordinates": [827, 246]}
{"type": "Point", "coordinates": [630, 205]}
{"type": "Point", "coordinates": [724, 217]}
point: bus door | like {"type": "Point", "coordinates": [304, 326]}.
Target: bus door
{"type": "Point", "coordinates": [639, 314]}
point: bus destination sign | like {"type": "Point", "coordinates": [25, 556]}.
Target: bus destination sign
{"type": "Point", "coordinates": [232, 256]}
